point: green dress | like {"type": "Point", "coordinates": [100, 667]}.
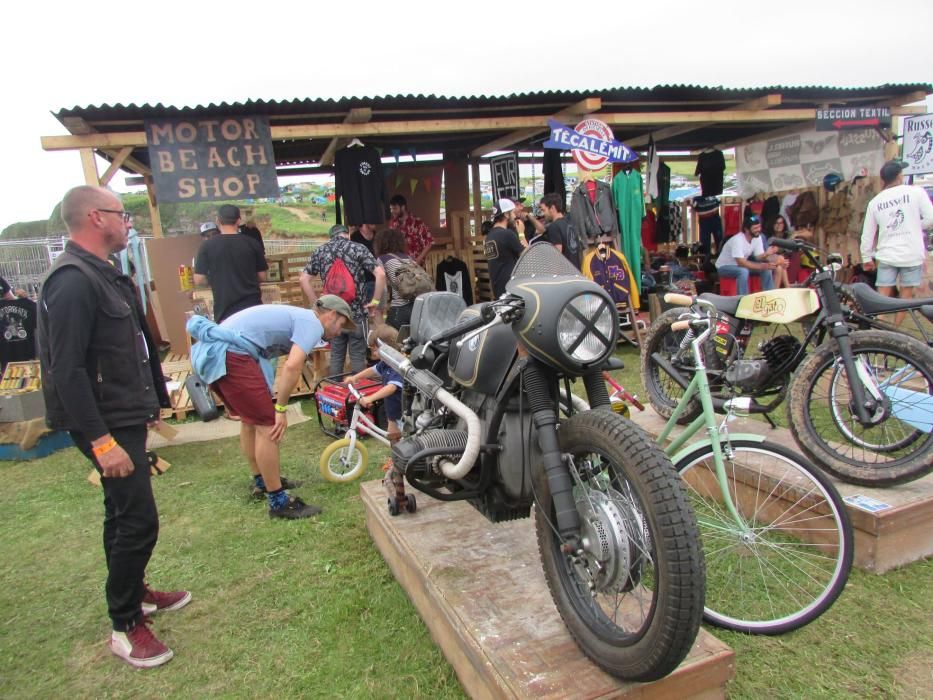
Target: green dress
{"type": "Point", "coordinates": [629, 196]}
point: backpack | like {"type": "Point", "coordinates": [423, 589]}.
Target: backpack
{"type": "Point", "coordinates": [339, 281]}
{"type": "Point", "coordinates": [411, 279]}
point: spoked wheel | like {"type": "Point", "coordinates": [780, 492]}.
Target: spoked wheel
{"type": "Point", "coordinates": [897, 445]}
{"type": "Point", "coordinates": [664, 392]}
{"type": "Point", "coordinates": [631, 591]}
{"type": "Point", "coordinates": [341, 463]}
{"type": "Point", "coordinates": [787, 558]}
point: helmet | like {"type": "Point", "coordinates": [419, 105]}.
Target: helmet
{"type": "Point", "coordinates": [831, 180]}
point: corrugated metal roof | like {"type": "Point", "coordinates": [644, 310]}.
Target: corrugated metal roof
{"type": "Point", "coordinates": [393, 108]}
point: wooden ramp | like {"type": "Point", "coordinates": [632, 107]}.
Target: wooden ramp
{"type": "Point", "coordinates": [480, 590]}
{"type": "Point", "coordinates": [892, 525]}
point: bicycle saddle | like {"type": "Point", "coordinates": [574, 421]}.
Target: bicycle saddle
{"type": "Point", "coordinates": [873, 302]}
{"type": "Point", "coordinates": [728, 305]}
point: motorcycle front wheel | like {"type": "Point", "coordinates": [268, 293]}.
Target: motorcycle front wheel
{"type": "Point", "coordinates": [786, 558]}
{"type": "Point", "coordinates": [631, 594]}
{"type": "Point", "coordinates": [898, 446]}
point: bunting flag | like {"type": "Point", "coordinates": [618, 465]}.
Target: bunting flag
{"type": "Point", "coordinates": [379, 150]}
{"type": "Point", "coordinates": [413, 183]}
{"type": "Point", "coordinates": [414, 154]}
{"type": "Point", "coordinates": [427, 183]}
{"type": "Point", "coordinates": [395, 154]}
{"type": "Point", "coordinates": [398, 178]}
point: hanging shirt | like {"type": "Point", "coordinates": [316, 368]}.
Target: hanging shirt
{"type": "Point", "coordinates": [453, 275]}
{"type": "Point", "coordinates": [18, 329]}
{"type": "Point", "coordinates": [711, 167]}
{"type": "Point", "coordinates": [627, 189]}
{"type": "Point", "coordinates": [360, 182]}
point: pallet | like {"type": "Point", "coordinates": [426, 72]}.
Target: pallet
{"type": "Point", "coordinates": [481, 592]}
{"type": "Point", "coordinates": [177, 368]}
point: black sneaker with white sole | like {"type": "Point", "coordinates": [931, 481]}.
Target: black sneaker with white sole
{"type": "Point", "coordinates": [294, 509]}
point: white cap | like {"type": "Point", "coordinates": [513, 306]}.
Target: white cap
{"type": "Point", "coordinates": [209, 226]}
{"type": "Point", "coordinates": [505, 206]}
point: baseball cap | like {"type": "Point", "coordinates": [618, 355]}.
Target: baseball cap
{"type": "Point", "coordinates": [337, 229]}
{"type": "Point", "coordinates": [518, 200]}
{"type": "Point", "coordinates": [208, 226]}
{"type": "Point", "coordinates": [505, 205]}
{"type": "Point", "coordinates": [228, 212]}
{"type": "Point", "coordinates": [331, 302]}
{"type": "Point", "coordinates": [892, 169]}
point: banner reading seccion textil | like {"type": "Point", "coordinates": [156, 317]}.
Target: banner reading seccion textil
{"type": "Point", "coordinates": [565, 138]}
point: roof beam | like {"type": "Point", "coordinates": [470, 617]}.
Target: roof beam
{"type": "Point", "coordinates": [585, 106]}
{"type": "Point", "coordinates": [118, 160]}
{"type": "Point", "coordinates": [763, 102]}
{"type": "Point", "coordinates": [357, 115]}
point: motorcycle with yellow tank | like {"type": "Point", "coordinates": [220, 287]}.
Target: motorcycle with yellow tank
{"type": "Point", "coordinates": [859, 403]}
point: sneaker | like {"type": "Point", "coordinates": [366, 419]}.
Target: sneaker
{"type": "Point", "coordinates": [257, 494]}
{"type": "Point", "coordinates": [139, 647]}
{"type": "Point", "coordinates": [295, 509]}
{"type": "Point", "coordinates": [157, 601]}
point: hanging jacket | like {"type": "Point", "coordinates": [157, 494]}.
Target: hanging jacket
{"type": "Point", "coordinates": [592, 220]}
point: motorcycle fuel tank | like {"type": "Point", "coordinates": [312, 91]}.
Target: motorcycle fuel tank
{"type": "Point", "coordinates": [778, 305]}
{"type": "Point", "coordinates": [482, 362]}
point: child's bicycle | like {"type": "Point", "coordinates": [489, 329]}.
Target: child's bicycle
{"type": "Point", "coordinates": [776, 535]}
{"type": "Point", "coordinates": [347, 458]}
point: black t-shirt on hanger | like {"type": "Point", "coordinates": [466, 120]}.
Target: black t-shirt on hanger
{"type": "Point", "coordinates": [711, 167]}
{"type": "Point", "coordinates": [359, 180]}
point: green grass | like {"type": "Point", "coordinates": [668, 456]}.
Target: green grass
{"type": "Point", "coordinates": [309, 609]}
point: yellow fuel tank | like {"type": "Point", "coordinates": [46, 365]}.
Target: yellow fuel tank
{"type": "Point", "coordinates": [778, 305]}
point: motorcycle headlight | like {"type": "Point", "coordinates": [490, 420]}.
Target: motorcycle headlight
{"type": "Point", "coordinates": [584, 328]}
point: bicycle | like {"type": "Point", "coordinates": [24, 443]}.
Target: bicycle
{"type": "Point", "coordinates": [777, 538]}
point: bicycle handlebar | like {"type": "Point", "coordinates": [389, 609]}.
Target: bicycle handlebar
{"type": "Point", "coordinates": [681, 325]}
{"type": "Point", "coordinates": [678, 299]}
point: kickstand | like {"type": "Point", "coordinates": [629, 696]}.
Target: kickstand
{"type": "Point", "coordinates": [768, 418]}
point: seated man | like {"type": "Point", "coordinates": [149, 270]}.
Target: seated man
{"type": "Point", "coordinates": [738, 261]}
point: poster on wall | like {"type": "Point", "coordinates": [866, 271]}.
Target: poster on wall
{"type": "Point", "coordinates": [203, 160]}
{"type": "Point", "coordinates": [505, 182]}
{"type": "Point", "coordinates": [804, 159]}
{"type": "Point", "coordinates": [918, 144]}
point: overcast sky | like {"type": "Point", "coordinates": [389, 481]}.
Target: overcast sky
{"type": "Point", "coordinates": [189, 53]}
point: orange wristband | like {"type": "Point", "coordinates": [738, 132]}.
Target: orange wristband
{"type": "Point", "coordinates": [105, 448]}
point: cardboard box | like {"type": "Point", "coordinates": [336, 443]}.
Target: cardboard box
{"type": "Point", "coordinates": [21, 407]}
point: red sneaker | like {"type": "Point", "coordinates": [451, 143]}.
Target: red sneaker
{"type": "Point", "coordinates": [139, 647]}
{"type": "Point", "coordinates": [157, 601]}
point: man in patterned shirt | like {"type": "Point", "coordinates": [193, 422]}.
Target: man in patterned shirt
{"type": "Point", "coordinates": [417, 234]}
{"type": "Point", "coordinates": [359, 261]}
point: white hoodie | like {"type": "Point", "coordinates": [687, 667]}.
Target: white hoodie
{"type": "Point", "coordinates": [894, 226]}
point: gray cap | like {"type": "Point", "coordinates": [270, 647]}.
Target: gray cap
{"type": "Point", "coordinates": [331, 302]}
{"type": "Point", "coordinates": [208, 226]}
{"type": "Point", "coordinates": [337, 229]}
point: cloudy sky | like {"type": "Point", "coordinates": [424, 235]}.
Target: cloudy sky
{"type": "Point", "coordinates": [187, 53]}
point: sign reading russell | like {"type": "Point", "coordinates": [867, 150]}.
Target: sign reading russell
{"type": "Point", "coordinates": [212, 159]}
{"type": "Point", "coordinates": [918, 144]}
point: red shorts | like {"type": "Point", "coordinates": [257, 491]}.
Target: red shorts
{"type": "Point", "coordinates": [245, 392]}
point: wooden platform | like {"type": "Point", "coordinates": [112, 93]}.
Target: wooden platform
{"type": "Point", "coordinates": [480, 590]}
{"type": "Point", "coordinates": [893, 525]}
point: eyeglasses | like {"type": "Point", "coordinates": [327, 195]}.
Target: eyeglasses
{"type": "Point", "coordinates": [122, 212]}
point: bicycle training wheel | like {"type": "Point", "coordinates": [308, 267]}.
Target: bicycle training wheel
{"type": "Point", "coordinates": [787, 559]}
{"type": "Point", "coordinates": [339, 463]}
{"type": "Point", "coordinates": [898, 444]}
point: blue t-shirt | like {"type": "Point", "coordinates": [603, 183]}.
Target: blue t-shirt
{"type": "Point", "coordinates": [393, 402]}
{"type": "Point", "coordinates": [273, 328]}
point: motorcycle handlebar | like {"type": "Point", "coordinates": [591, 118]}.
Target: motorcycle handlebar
{"type": "Point", "coordinates": [678, 299]}
{"type": "Point", "coordinates": [791, 244]}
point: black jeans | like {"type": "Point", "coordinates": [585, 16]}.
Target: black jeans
{"type": "Point", "coordinates": [131, 527]}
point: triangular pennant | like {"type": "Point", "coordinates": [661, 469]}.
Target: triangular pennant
{"type": "Point", "coordinates": [395, 154]}
{"type": "Point", "coordinates": [398, 178]}
{"type": "Point", "coordinates": [427, 183]}
{"type": "Point", "coordinates": [379, 151]}
{"type": "Point", "coordinates": [413, 183]}
{"type": "Point", "coordinates": [414, 154]}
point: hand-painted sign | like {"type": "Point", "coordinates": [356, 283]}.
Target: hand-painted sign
{"type": "Point", "coordinates": [918, 144]}
{"type": "Point", "coordinates": [505, 181]}
{"type": "Point", "coordinates": [202, 160]}
{"type": "Point", "coordinates": [836, 118]}
{"type": "Point", "coordinates": [592, 143]}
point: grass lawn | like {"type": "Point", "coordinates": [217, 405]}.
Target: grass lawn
{"type": "Point", "coordinates": [309, 609]}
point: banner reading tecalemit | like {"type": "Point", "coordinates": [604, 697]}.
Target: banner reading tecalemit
{"type": "Point", "coordinates": [202, 160]}
{"type": "Point", "coordinates": [592, 138]}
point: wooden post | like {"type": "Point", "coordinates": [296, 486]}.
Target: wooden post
{"type": "Point", "coordinates": [477, 201]}
{"type": "Point", "coordinates": [90, 167]}
{"type": "Point", "coordinates": [154, 208]}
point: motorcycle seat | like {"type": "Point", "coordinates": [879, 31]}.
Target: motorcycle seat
{"type": "Point", "coordinates": [872, 302]}
{"type": "Point", "coordinates": [728, 305]}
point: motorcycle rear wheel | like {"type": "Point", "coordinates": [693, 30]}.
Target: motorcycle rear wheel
{"type": "Point", "coordinates": [891, 452]}
{"type": "Point", "coordinates": [664, 392]}
{"type": "Point", "coordinates": [632, 596]}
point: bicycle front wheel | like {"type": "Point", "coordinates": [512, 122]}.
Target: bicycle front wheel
{"type": "Point", "coordinates": [341, 463]}
{"type": "Point", "coordinates": [787, 559]}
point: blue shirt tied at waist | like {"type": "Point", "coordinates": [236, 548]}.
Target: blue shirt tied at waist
{"type": "Point", "coordinates": [209, 354]}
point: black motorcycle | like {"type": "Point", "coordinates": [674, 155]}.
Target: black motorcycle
{"type": "Point", "coordinates": [859, 403]}
{"type": "Point", "coordinates": [490, 418]}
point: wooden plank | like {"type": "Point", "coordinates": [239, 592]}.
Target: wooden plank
{"type": "Point", "coordinates": [89, 166]}
{"type": "Point", "coordinates": [118, 161]}
{"type": "Point", "coordinates": [357, 115]}
{"type": "Point", "coordinates": [480, 590]}
{"type": "Point", "coordinates": [585, 106]}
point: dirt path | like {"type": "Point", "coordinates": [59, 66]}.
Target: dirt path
{"type": "Point", "coordinates": [300, 213]}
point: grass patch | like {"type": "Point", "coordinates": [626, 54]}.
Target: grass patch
{"type": "Point", "coordinates": [310, 609]}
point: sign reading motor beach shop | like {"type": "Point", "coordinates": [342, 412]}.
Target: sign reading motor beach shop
{"type": "Point", "coordinates": [836, 118]}
{"type": "Point", "coordinates": [591, 142]}
{"type": "Point", "coordinates": [203, 160]}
